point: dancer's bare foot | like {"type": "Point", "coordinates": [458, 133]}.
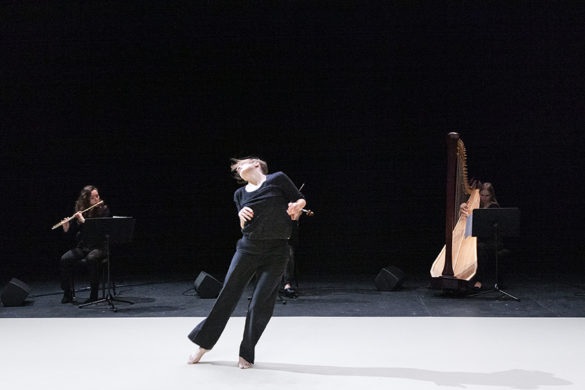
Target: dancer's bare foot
{"type": "Point", "coordinates": [196, 356]}
{"type": "Point", "coordinates": [477, 284]}
{"type": "Point", "coordinates": [243, 363]}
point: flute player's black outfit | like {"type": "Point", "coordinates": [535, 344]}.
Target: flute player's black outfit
{"type": "Point", "coordinates": [262, 251]}
{"type": "Point", "coordinates": [88, 253]}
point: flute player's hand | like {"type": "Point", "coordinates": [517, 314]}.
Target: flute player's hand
{"type": "Point", "coordinates": [79, 217]}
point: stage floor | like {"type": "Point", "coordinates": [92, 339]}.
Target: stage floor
{"type": "Point", "coordinates": [296, 353]}
{"type": "Point", "coordinates": [332, 296]}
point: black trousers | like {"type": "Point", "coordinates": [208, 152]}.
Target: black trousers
{"type": "Point", "coordinates": [289, 270]}
{"type": "Point", "coordinates": [89, 257]}
{"type": "Point", "coordinates": [264, 258]}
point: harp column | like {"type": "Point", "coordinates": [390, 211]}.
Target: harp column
{"type": "Point", "coordinates": [452, 139]}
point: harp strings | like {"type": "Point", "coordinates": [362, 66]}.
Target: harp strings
{"type": "Point", "coordinates": [463, 190]}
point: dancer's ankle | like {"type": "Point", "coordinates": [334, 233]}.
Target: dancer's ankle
{"type": "Point", "coordinates": [244, 364]}
{"type": "Point", "coordinates": [195, 357]}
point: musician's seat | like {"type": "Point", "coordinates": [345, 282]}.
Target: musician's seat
{"type": "Point", "coordinates": [102, 265]}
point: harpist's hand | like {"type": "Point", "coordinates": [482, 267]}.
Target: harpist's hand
{"type": "Point", "coordinates": [463, 209]}
{"type": "Point", "coordinates": [245, 214]}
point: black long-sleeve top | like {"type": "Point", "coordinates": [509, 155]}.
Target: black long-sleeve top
{"type": "Point", "coordinates": [76, 228]}
{"type": "Point", "coordinates": [269, 203]}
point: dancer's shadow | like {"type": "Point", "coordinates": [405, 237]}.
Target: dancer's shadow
{"type": "Point", "coordinates": [515, 378]}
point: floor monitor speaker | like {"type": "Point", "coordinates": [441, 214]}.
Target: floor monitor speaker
{"type": "Point", "coordinates": [207, 286]}
{"type": "Point", "coordinates": [389, 279]}
{"type": "Point", "coordinates": [14, 293]}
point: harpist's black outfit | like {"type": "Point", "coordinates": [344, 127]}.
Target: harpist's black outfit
{"type": "Point", "coordinates": [485, 257]}
{"type": "Point", "coordinates": [87, 253]}
{"type": "Point", "coordinates": [262, 251]}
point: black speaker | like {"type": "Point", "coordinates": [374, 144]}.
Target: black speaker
{"type": "Point", "coordinates": [14, 293]}
{"type": "Point", "coordinates": [207, 286]}
{"type": "Point", "coordinates": [389, 279]}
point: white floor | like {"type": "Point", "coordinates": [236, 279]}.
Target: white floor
{"type": "Point", "coordinates": [296, 353]}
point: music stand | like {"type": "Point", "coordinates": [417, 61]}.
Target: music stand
{"type": "Point", "coordinates": [114, 230]}
{"type": "Point", "coordinates": [492, 224]}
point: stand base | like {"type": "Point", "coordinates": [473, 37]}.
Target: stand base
{"type": "Point", "coordinates": [109, 299]}
{"type": "Point", "coordinates": [495, 289]}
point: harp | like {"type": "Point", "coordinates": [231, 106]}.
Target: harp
{"type": "Point", "coordinates": [457, 262]}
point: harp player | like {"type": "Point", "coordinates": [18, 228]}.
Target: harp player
{"type": "Point", "coordinates": [487, 199]}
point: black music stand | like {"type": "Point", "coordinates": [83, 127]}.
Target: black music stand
{"type": "Point", "coordinates": [114, 230]}
{"type": "Point", "coordinates": [493, 224]}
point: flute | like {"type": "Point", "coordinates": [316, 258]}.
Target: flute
{"type": "Point", "coordinates": [73, 216]}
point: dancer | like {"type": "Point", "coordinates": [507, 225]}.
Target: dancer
{"type": "Point", "coordinates": [266, 205]}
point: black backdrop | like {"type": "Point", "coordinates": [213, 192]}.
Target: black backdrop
{"type": "Point", "coordinates": [148, 100]}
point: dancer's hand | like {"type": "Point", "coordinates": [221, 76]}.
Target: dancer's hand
{"type": "Point", "coordinates": [245, 214]}
{"type": "Point", "coordinates": [295, 209]}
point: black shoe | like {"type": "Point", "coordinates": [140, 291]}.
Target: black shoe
{"type": "Point", "coordinates": [67, 297]}
{"type": "Point", "coordinates": [93, 295]}
{"type": "Point", "coordinates": [289, 292]}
